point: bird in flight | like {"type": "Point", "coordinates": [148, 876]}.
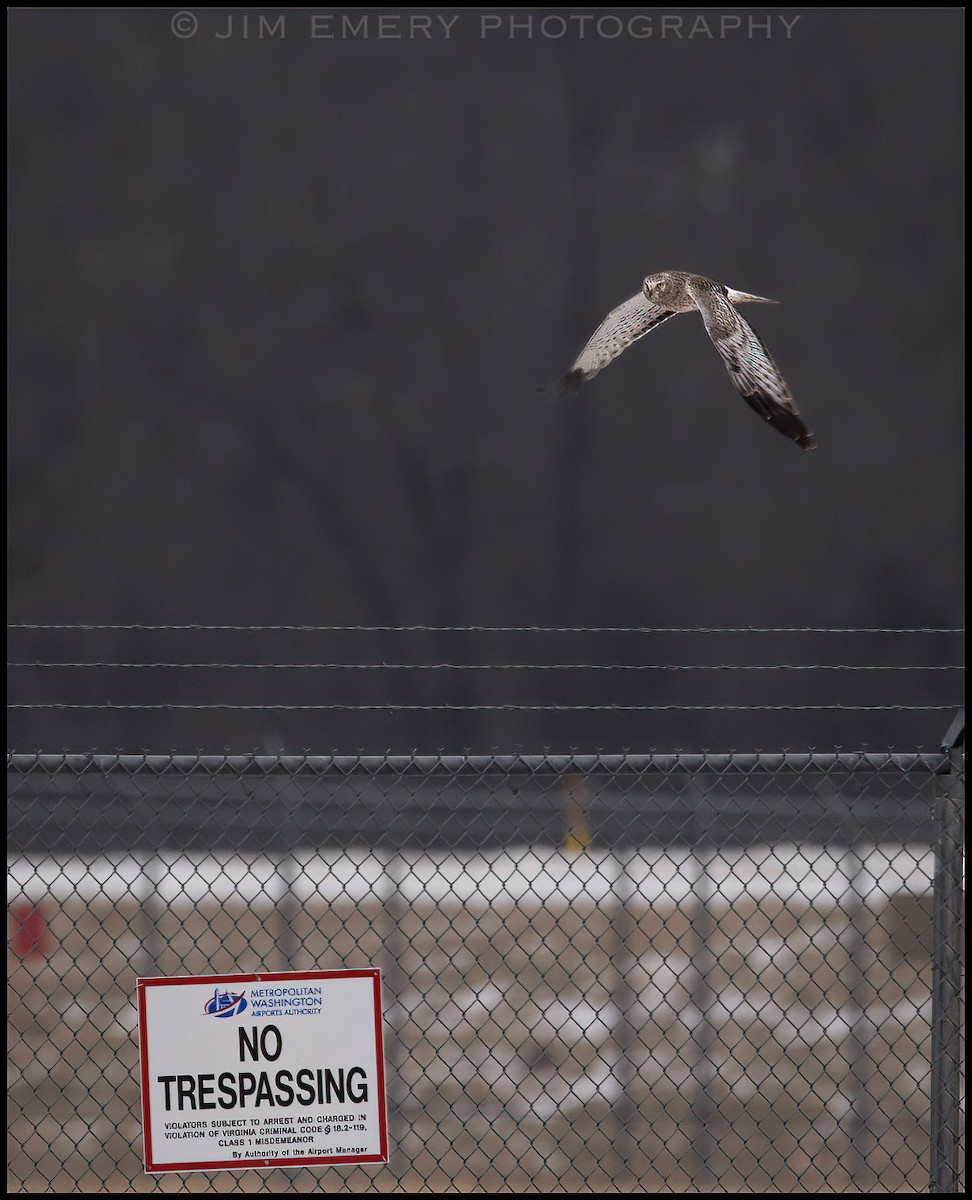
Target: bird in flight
{"type": "Point", "coordinates": [750, 365]}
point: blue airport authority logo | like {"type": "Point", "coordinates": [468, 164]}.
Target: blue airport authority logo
{"type": "Point", "coordinates": [225, 1004]}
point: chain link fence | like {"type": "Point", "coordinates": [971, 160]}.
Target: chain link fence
{"type": "Point", "coordinates": [600, 973]}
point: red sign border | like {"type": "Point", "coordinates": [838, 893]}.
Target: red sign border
{"type": "Point", "coordinates": [151, 1168]}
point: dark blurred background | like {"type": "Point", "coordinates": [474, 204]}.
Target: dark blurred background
{"type": "Point", "coordinates": [277, 305]}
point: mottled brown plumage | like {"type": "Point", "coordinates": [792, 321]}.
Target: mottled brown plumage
{"type": "Point", "coordinates": [750, 365]}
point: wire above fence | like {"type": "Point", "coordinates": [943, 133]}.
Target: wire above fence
{"type": "Point", "coordinates": [472, 703]}
{"type": "Point", "coordinates": [446, 707]}
{"type": "Point", "coordinates": [702, 629]}
{"type": "Point", "coordinates": [445, 666]}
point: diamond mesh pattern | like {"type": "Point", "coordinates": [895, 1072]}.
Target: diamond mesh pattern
{"type": "Point", "coordinates": [610, 973]}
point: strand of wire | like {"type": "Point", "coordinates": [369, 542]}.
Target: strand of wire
{"type": "Point", "coordinates": [445, 666]}
{"type": "Point", "coordinates": [467, 629]}
{"type": "Point", "coordinates": [501, 707]}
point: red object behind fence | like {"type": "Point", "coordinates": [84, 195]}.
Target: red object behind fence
{"type": "Point", "coordinates": [30, 935]}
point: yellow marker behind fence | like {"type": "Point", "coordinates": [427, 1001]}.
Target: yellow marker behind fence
{"type": "Point", "coordinates": [577, 794]}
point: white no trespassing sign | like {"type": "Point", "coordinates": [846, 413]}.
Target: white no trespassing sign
{"type": "Point", "coordinates": [268, 1070]}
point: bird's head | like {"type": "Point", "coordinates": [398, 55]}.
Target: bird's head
{"type": "Point", "coordinates": [657, 288]}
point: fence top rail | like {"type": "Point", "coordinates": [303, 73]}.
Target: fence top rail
{"type": "Point", "coordinates": [936, 762]}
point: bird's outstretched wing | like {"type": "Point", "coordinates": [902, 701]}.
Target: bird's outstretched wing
{"type": "Point", "coordinates": [622, 326]}
{"type": "Point", "coordinates": [751, 367]}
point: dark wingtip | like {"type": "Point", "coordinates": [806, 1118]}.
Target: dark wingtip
{"type": "Point", "coordinates": [795, 429]}
{"type": "Point", "coordinates": [783, 421]}
{"type": "Point", "coordinates": [570, 384]}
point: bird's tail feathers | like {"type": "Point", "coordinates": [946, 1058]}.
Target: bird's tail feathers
{"type": "Point", "coordinates": [746, 298]}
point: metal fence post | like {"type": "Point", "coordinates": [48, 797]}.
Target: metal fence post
{"type": "Point", "coordinates": [859, 956]}
{"type": "Point", "coordinates": [947, 964]}
{"type": "Point", "coordinates": [289, 944]}
{"type": "Point", "coordinates": [396, 1014]}
{"type": "Point", "coordinates": [703, 1069]}
{"type": "Point", "coordinates": [622, 1002]}
{"type": "Point", "coordinates": [152, 908]}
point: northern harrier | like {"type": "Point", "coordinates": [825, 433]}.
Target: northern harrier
{"type": "Point", "coordinates": [750, 365]}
